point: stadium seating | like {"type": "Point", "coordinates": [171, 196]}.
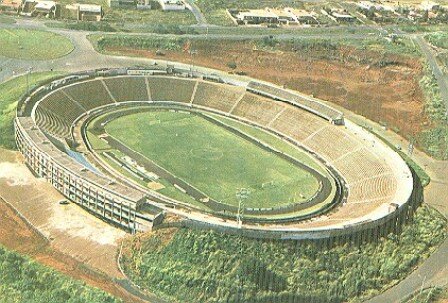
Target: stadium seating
{"type": "Point", "coordinates": [128, 89]}
{"type": "Point", "coordinates": [257, 108]}
{"type": "Point", "coordinates": [171, 89]}
{"type": "Point", "coordinates": [217, 96]}
{"type": "Point", "coordinates": [356, 165]}
{"type": "Point", "coordinates": [297, 123]}
{"type": "Point", "coordinates": [60, 104]}
{"type": "Point", "coordinates": [317, 107]}
{"type": "Point", "coordinates": [52, 123]}
{"type": "Point", "coordinates": [373, 188]}
{"type": "Point", "coordinates": [332, 142]}
{"type": "Point", "coordinates": [352, 210]}
{"type": "Point", "coordinates": [89, 94]}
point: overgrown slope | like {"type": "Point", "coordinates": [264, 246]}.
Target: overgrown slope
{"type": "Point", "coordinates": [199, 266]}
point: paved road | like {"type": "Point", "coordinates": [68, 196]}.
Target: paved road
{"type": "Point", "coordinates": [200, 18]}
{"type": "Point", "coordinates": [437, 71]}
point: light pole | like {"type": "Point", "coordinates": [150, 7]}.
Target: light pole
{"type": "Point", "coordinates": [28, 80]}
{"type": "Point", "coordinates": [242, 194]}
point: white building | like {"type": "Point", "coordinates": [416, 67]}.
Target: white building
{"type": "Point", "coordinates": [429, 5]}
{"type": "Point", "coordinates": [258, 16]}
{"type": "Point", "coordinates": [172, 5]}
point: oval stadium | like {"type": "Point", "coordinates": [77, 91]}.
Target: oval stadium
{"type": "Point", "coordinates": [144, 148]}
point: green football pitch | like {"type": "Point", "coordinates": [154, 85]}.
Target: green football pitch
{"type": "Point", "coordinates": [214, 160]}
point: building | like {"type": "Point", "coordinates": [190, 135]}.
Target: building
{"type": "Point", "coordinates": [113, 202]}
{"type": "Point", "coordinates": [257, 16]}
{"type": "Point", "coordinates": [172, 5]}
{"type": "Point", "coordinates": [144, 4]}
{"type": "Point", "coordinates": [341, 16]}
{"type": "Point", "coordinates": [45, 8]}
{"type": "Point", "coordinates": [90, 12]}
{"type": "Point", "coordinates": [84, 12]}
{"type": "Point", "coordinates": [429, 6]}
{"type": "Point", "coordinates": [10, 5]}
{"type": "Point", "coordinates": [301, 16]}
{"type": "Point", "coordinates": [131, 4]}
{"type": "Point", "coordinates": [31, 8]}
{"type": "Point", "coordinates": [283, 15]}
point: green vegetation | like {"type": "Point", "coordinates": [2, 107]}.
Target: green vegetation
{"type": "Point", "coordinates": [24, 280]}
{"type": "Point", "coordinates": [7, 19]}
{"type": "Point", "coordinates": [121, 16]}
{"type": "Point", "coordinates": [333, 49]}
{"type": "Point", "coordinates": [214, 160]}
{"type": "Point", "coordinates": [430, 295]}
{"type": "Point", "coordinates": [439, 39]}
{"type": "Point", "coordinates": [204, 266]}
{"type": "Point", "coordinates": [83, 26]}
{"type": "Point", "coordinates": [33, 44]}
{"type": "Point", "coordinates": [434, 140]}
{"type": "Point", "coordinates": [104, 42]}
{"type": "Point", "coordinates": [10, 92]}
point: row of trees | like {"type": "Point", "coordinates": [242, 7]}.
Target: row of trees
{"type": "Point", "coordinates": [24, 280]}
{"type": "Point", "coordinates": [140, 42]}
{"type": "Point", "coordinates": [197, 266]}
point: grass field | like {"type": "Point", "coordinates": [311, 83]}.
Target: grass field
{"type": "Point", "coordinates": [7, 19]}
{"type": "Point", "coordinates": [212, 159]}
{"type": "Point", "coordinates": [33, 45]}
{"type": "Point", "coordinates": [273, 141]}
{"type": "Point", "coordinates": [10, 92]}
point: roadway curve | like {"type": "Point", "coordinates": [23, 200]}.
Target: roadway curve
{"type": "Point", "coordinates": [200, 18]}
{"type": "Point", "coordinates": [437, 71]}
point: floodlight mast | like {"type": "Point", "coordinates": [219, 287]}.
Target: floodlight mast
{"type": "Point", "coordinates": [242, 194]}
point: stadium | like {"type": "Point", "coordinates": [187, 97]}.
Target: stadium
{"type": "Point", "coordinates": [313, 174]}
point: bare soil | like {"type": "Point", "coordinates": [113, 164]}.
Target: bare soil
{"type": "Point", "coordinates": [348, 77]}
{"type": "Point", "coordinates": [18, 235]}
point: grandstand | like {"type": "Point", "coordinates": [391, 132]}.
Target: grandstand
{"type": "Point", "coordinates": [52, 123]}
{"type": "Point", "coordinates": [128, 88]}
{"type": "Point", "coordinates": [297, 124]}
{"type": "Point", "coordinates": [217, 96]}
{"type": "Point", "coordinates": [304, 102]}
{"type": "Point", "coordinates": [374, 177]}
{"type": "Point", "coordinates": [168, 89]}
{"type": "Point", "coordinates": [254, 107]}
{"type": "Point", "coordinates": [89, 94]}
